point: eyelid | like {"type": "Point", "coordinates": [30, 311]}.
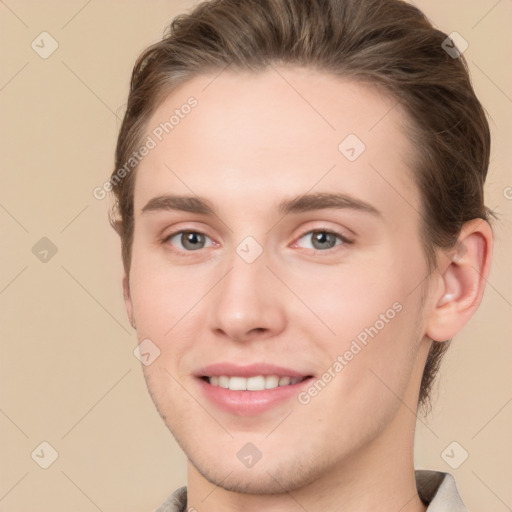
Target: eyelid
{"type": "Point", "coordinates": [180, 227]}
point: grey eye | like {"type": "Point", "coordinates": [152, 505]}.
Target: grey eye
{"type": "Point", "coordinates": [321, 240]}
{"type": "Point", "coordinates": [189, 240]}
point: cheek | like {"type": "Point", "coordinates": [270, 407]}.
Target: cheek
{"type": "Point", "coordinates": [161, 294]}
{"type": "Point", "coordinates": [368, 378]}
{"type": "Point", "coordinates": [349, 298]}
{"type": "Point", "coordinates": [372, 316]}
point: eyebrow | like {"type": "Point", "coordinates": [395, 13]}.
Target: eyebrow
{"type": "Point", "coordinates": [298, 204]}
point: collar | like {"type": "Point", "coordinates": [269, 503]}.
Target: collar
{"type": "Point", "coordinates": [439, 491]}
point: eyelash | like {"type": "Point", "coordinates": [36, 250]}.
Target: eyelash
{"type": "Point", "coordinates": [343, 238]}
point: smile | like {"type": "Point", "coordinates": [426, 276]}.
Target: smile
{"type": "Point", "coordinates": [250, 390]}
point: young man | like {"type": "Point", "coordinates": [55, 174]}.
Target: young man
{"type": "Point", "coordinates": [300, 204]}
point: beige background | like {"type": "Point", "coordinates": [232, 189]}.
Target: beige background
{"type": "Point", "coordinates": [68, 373]}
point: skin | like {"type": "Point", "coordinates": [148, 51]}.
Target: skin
{"type": "Point", "coordinates": [253, 141]}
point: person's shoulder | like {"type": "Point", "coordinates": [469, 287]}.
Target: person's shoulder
{"type": "Point", "coordinates": [439, 490]}
{"type": "Point", "coordinates": [176, 502]}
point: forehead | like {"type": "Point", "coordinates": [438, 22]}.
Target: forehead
{"type": "Point", "coordinates": [282, 131]}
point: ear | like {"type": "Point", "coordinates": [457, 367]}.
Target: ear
{"type": "Point", "coordinates": [128, 301]}
{"type": "Point", "coordinates": [463, 275]}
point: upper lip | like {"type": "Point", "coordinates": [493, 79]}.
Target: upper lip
{"type": "Point", "coordinates": [250, 370]}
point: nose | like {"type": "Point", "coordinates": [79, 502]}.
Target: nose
{"type": "Point", "coordinates": [248, 303]}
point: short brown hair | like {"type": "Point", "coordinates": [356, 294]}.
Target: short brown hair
{"type": "Point", "coordinates": [387, 43]}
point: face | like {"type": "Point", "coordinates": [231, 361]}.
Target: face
{"type": "Point", "coordinates": [273, 251]}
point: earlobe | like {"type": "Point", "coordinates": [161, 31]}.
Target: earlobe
{"type": "Point", "coordinates": [464, 271]}
{"type": "Point", "coordinates": [128, 301]}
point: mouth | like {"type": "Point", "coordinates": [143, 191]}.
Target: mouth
{"type": "Point", "coordinates": [250, 390]}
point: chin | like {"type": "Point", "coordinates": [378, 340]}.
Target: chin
{"type": "Point", "coordinates": [276, 472]}
{"type": "Point", "coordinates": [263, 480]}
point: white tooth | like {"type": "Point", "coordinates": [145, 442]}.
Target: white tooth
{"type": "Point", "coordinates": [284, 381]}
{"type": "Point", "coordinates": [256, 383]}
{"type": "Point", "coordinates": [238, 383]}
{"type": "Point", "coordinates": [224, 381]}
{"type": "Point", "coordinates": [272, 381]}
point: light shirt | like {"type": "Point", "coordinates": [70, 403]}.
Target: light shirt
{"type": "Point", "coordinates": [437, 490]}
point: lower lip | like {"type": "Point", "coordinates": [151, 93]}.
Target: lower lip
{"type": "Point", "coordinates": [250, 403]}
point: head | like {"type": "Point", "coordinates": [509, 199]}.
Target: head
{"type": "Point", "coordinates": [266, 96]}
